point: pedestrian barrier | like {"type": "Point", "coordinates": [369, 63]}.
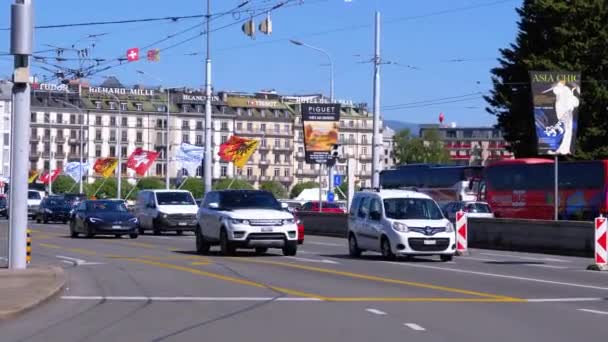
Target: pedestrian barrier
{"type": "Point", "coordinates": [28, 248]}
{"type": "Point", "coordinates": [601, 242]}
{"type": "Point", "coordinates": [461, 233]}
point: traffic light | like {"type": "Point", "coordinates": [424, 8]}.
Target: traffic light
{"type": "Point", "coordinates": [335, 151]}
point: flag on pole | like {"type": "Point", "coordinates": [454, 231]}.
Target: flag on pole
{"type": "Point", "coordinates": [32, 176]}
{"type": "Point", "coordinates": [46, 178]}
{"type": "Point", "coordinates": [133, 54]}
{"type": "Point", "coordinates": [154, 55]}
{"type": "Point", "coordinates": [141, 160]}
{"type": "Point", "coordinates": [238, 150]}
{"type": "Point", "coordinates": [191, 157]}
{"type": "Point", "coordinates": [105, 166]}
{"type": "Point", "coordinates": [73, 169]}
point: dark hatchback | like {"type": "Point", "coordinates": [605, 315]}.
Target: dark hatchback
{"type": "Point", "coordinates": [74, 199]}
{"type": "Point", "coordinates": [103, 217]}
{"type": "Point", "coordinates": [3, 206]}
{"type": "Point", "coordinates": [53, 208]}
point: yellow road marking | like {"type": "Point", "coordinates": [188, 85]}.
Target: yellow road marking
{"type": "Point", "coordinates": [426, 300]}
{"type": "Point", "coordinates": [377, 279]}
{"type": "Point", "coordinates": [133, 243]}
{"type": "Point", "coordinates": [81, 251]}
{"type": "Point", "coordinates": [200, 263]}
{"type": "Point", "coordinates": [50, 245]}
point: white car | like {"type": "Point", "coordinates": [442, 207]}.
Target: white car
{"type": "Point", "coordinates": [245, 219]}
{"type": "Point", "coordinates": [166, 210]}
{"type": "Point", "coordinates": [399, 223]}
{"type": "Point", "coordinates": [472, 208]}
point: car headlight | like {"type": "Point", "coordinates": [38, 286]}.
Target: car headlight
{"type": "Point", "coordinates": [449, 228]}
{"type": "Point", "coordinates": [239, 221]}
{"type": "Point", "coordinates": [133, 220]}
{"type": "Point", "coordinates": [164, 216]}
{"type": "Point", "coordinates": [94, 219]}
{"type": "Point", "coordinates": [289, 221]}
{"type": "Point", "coordinates": [400, 227]}
{"type": "Point", "coordinates": [48, 211]}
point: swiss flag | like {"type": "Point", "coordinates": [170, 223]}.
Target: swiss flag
{"type": "Point", "coordinates": [45, 178]}
{"type": "Point", "coordinates": [133, 54]}
{"type": "Point", "coordinates": [141, 160]}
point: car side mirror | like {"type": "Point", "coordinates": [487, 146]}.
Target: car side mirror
{"type": "Point", "coordinates": [375, 216]}
{"type": "Point", "coordinates": [284, 205]}
{"type": "Point", "coordinates": [214, 206]}
{"type": "Point", "coordinates": [151, 205]}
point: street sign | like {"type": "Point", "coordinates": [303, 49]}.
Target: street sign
{"type": "Point", "coordinates": [337, 180]}
{"type": "Point", "coordinates": [330, 197]}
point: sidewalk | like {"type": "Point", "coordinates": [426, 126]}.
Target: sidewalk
{"type": "Point", "coordinates": [21, 290]}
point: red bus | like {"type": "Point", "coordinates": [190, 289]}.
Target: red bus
{"type": "Point", "coordinates": [524, 188]}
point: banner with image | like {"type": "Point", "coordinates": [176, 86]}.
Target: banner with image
{"type": "Point", "coordinates": [556, 99]}
{"type": "Point", "coordinates": [321, 126]}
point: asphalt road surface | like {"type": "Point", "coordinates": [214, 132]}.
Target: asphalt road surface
{"type": "Point", "coordinates": [155, 288]}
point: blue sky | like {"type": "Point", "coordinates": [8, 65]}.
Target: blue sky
{"type": "Point", "coordinates": [452, 44]}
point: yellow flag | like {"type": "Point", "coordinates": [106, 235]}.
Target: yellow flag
{"type": "Point", "coordinates": [238, 150]}
{"type": "Point", "coordinates": [32, 176]}
{"type": "Point", "coordinates": [105, 166]}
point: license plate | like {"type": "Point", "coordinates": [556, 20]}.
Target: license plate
{"type": "Point", "coordinates": [116, 227]}
{"type": "Point", "coordinates": [183, 223]}
{"type": "Point", "coordinates": [430, 242]}
{"type": "Point", "coordinates": [266, 229]}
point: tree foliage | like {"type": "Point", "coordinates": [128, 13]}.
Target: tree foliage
{"type": "Point", "coordinates": [276, 188]}
{"type": "Point", "coordinates": [297, 189]}
{"type": "Point", "coordinates": [554, 35]}
{"type": "Point", "coordinates": [150, 183]}
{"type": "Point", "coordinates": [63, 184]}
{"type": "Point", "coordinates": [107, 189]}
{"type": "Point", "coordinates": [426, 149]}
{"type": "Point", "coordinates": [196, 186]}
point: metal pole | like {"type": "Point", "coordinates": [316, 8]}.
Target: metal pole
{"type": "Point", "coordinates": [22, 27]}
{"type": "Point", "coordinates": [320, 188]}
{"type": "Point", "coordinates": [208, 131]}
{"type": "Point", "coordinates": [167, 152]}
{"type": "Point", "coordinates": [556, 193]}
{"type": "Point", "coordinates": [119, 148]}
{"type": "Point", "coordinates": [376, 142]}
{"type": "Point", "coordinates": [81, 139]}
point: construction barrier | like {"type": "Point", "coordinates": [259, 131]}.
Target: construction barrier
{"type": "Point", "coordinates": [461, 233]}
{"type": "Point", "coordinates": [601, 242]}
{"type": "Point", "coordinates": [28, 249]}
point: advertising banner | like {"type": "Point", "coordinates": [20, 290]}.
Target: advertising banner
{"type": "Point", "coordinates": [556, 98]}
{"type": "Point", "coordinates": [320, 123]}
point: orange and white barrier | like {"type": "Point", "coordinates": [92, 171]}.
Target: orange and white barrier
{"type": "Point", "coordinates": [461, 232]}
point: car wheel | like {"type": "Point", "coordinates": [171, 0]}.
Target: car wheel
{"type": "Point", "coordinates": [141, 230]}
{"type": "Point", "coordinates": [133, 235]}
{"type": "Point", "coordinates": [202, 246]}
{"type": "Point", "coordinates": [118, 236]}
{"type": "Point", "coordinates": [90, 233]}
{"type": "Point", "coordinates": [385, 248]}
{"type": "Point", "coordinates": [73, 232]}
{"type": "Point", "coordinates": [226, 247]}
{"type": "Point", "coordinates": [446, 258]}
{"type": "Point", "coordinates": [353, 247]}
{"type": "Point", "coordinates": [290, 248]}
{"type": "Point", "coordinates": [155, 228]}
{"type": "Point", "coordinates": [37, 219]}
{"type": "Point", "coordinates": [45, 219]}
{"type": "Point", "coordinates": [261, 250]}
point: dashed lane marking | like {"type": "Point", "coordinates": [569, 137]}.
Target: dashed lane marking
{"type": "Point", "coordinates": [376, 311]}
{"type": "Point", "coordinates": [565, 300]}
{"type": "Point", "coordinates": [191, 299]}
{"type": "Point", "coordinates": [594, 311]}
{"type": "Point", "coordinates": [525, 257]}
{"type": "Point", "coordinates": [414, 326]}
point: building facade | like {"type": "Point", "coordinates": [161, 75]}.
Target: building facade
{"type": "Point", "coordinates": [5, 127]}
{"type": "Point", "coordinates": [471, 145]}
{"type": "Point", "coordinates": [111, 120]}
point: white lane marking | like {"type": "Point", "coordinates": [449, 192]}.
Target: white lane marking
{"type": "Point", "coordinates": [414, 326]}
{"type": "Point", "coordinates": [548, 266]}
{"type": "Point", "coordinates": [479, 259]}
{"type": "Point", "coordinates": [495, 275]}
{"type": "Point", "coordinates": [77, 262]}
{"type": "Point", "coordinates": [176, 238]}
{"type": "Point", "coordinates": [564, 300]}
{"type": "Point", "coordinates": [533, 265]}
{"type": "Point", "coordinates": [375, 311]}
{"type": "Point", "coordinates": [193, 299]}
{"type": "Point", "coordinates": [322, 261]}
{"type": "Point", "coordinates": [525, 258]}
{"type": "Point", "coordinates": [594, 311]}
{"type": "Point", "coordinates": [322, 243]}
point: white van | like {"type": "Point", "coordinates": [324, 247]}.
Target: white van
{"type": "Point", "coordinates": [166, 210]}
{"type": "Point", "coordinates": [399, 222]}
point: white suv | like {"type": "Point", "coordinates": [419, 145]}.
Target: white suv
{"type": "Point", "coordinates": [399, 222]}
{"type": "Point", "coordinates": [245, 219]}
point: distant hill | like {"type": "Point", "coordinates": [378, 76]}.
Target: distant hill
{"type": "Point", "coordinates": [399, 125]}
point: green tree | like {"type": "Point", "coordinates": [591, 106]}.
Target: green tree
{"type": "Point", "coordinates": [277, 189]}
{"type": "Point", "coordinates": [434, 151]}
{"type": "Point", "coordinates": [238, 184]}
{"type": "Point", "coordinates": [63, 184]}
{"type": "Point", "coordinates": [108, 190]}
{"type": "Point", "coordinates": [148, 183]}
{"type": "Point", "coordinates": [297, 189]}
{"type": "Point", "coordinates": [554, 35]}
{"type": "Point", "coordinates": [344, 189]}
{"type": "Point", "coordinates": [196, 186]}
{"type": "Point", "coordinates": [426, 149]}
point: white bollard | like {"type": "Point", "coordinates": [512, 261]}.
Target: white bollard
{"type": "Point", "coordinates": [601, 242]}
{"type": "Point", "coordinates": [461, 233]}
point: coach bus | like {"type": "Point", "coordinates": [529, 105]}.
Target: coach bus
{"type": "Point", "coordinates": [442, 183]}
{"type": "Point", "coordinates": [524, 188]}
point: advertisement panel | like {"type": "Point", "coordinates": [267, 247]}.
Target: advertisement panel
{"type": "Point", "coordinates": [321, 125]}
{"type": "Point", "coordinates": [556, 98]}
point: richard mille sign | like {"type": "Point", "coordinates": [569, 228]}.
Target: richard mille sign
{"type": "Point", "coordinates": [121, 91]}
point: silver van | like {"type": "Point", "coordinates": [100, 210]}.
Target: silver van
{"type": "Point", "coordinates": [166, 210]}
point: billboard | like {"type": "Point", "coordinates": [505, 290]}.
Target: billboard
{"type": "Point", "coordinates": [320, 123]}
{"type": "Point", "coordinates": [556, 98]}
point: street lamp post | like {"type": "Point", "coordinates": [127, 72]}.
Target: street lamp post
{"type": "Point", "coordinates": [50, 156]}
{"type": "Point", "coordinates": [119, 148]}
{"type": "Point", "coordinates": [81, 138]}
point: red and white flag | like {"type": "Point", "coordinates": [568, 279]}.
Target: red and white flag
{"type": "Point", "coordinates": [46, 178]}
{"type": "Point", "coordinates": [141, 160]}
{"type": "Point", "coordinates": [133, 54]}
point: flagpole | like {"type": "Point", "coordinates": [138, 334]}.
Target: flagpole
{"type": "Point", "coordinates": [230, 185]}
{"type": "Point", "coordinates": [133, 188]}
{"type": "Point", "coordinates": [72, 188]}
{"type": "Point", "coordinates": [182, 183]}
{"type": "Point", "coordinates": [99, 188]}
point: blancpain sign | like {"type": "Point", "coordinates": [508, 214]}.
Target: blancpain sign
{"type": "Point", "coordinates": [121, 91]}
{"type": "Point", "coordinates": [198, 98]}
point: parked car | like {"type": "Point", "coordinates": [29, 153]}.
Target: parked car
{"type": "Point", "coordinates": [34, 197]}
{"type": "Point", "coordinates": [53, 208]}
{"type": "Point", "coordinates": [3, 206]}
{"type": "Point", "coordinates": [166, 210]}
{"type": "Point", "coordinates": [328, 207]}
{"type": "Point", "coordinates": [473, 209]}
{"type": "Point", "coordinates": [74, 199]}
{"type": "Point", "coordinates": [245, 219]}
{"type": "Point", "coordinates": [300, 229]}
{"type": "Point", "coordinates": [399, 222]}
{"type": "Point", "coordinates": [103, 217]}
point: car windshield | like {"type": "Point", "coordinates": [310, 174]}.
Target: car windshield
{"type": "Point", "coordinates": [35, 195]}
{"type": "Point", "coordinates": [481, 208]}
{"type": "Point", "coordinates": [57, 203]}
{"type": "Point", "coordinates": [327, 205]}
{"type": "Point", "coordinates": [411, 209]}
{"type": "Point", "coordinates": [2, 201]}
{"type": "Point", "coordinates": [174, 198]}
{"type": "Point", "coordinates": [106, 206]}
{"type": "Point", "coordinates": [241, 200]}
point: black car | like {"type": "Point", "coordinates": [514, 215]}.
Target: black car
{"type": "Point", "coordinates": [74, 199]}
{"type": "Point", "coordinates": [53, 208]}
{"type": "Point", "coordinates": [103, 217]}
{"type": "Point", "coordinates": [3, 207]}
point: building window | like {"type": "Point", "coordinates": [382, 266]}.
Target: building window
{"type": "Point", "coordinates": [59, 118]}
{"type": "Point", "coordinates": [249, 112]}
{"type": "Point", "coordinates": [98, 134]}
{"type": "Point", "coordinates": [249, 172]}
{"type": "Point", "coordinates": [140, 123]}
{"type": "Point", "coordinates": [123, 149]}
{"type": "Point", "coordinates": [160, 108]}
{"type": "Point", "coordinates": [277, 172]}
{"type": "Point", "coordinates": [139, 137]}
{"type": "Point", "coordinates": [60, 133]}
{"type": "Point", "coordinates": [186, 138]}
{"type": "Point", "coordinates": [286, 172]}
{"type": "Point", "coordinates": [239, 126]}
{"type": "Point", "coordinates": [264, 142]}
{"type": "Point", "coordinates": [112, 151]}
{"type": "Point", "coordinates": [263, 156]}
{"type": "Point", "coordinates": [262, 112]}
{"type": "Point", "coordinates": [98, 104]}
{"type": "Point", "coordinates": [277, 158]}
{"type": "Point", "coordinates": [112, 121]}
{"type": "Point", "coordinates": [277, 143]}
{"type": "Point", "coordinates": [286, 143]}
{"type": "Point", "coordinates": [112, 106]}
{"type": "Point", "coordinates": [98, 120]}
{"type": "Point", "coordinates": [223, 171]}
{"type": "Point", "coordinates": [159, 169]}
{"type": "Point", "coordinates": [34, 133]}
{"type": "Point", "coordinates": [351, 123]}
{"type": "Point", "coordinates": [287, 128]}
{"type": "Point", "coordinates": [185, 124]}
{"type": "Point", "coordinates": [341, 140]}
{"type": "Point", "coordinates": [72, 119]}
{"type": "Point", "coordinates": [199, 125]}
{"type": "Point", "coordinates": [351, 139]}
{"type": "Point", "coordinates": [364, 139]}
{"type": "Point", "coordinates": [263, 172]}
{"type": "Point", "coordinates": [263, 127]}
{"type": "Point", "coordinates": [300, 166]}
{"type": "Point", "coordinates": [6, 139]}
{"type": "Point", "coordinates": [249, 127]}
{"type": "Point", "coordinates": [112, 135]}
{"type": "Point", "coordinates": [139, 107]}
{"type": "Point", "coordinates": [123, 106]}
{"type": "Point", "coordinates": [124, 122]}
{"type": "Point", "coordinates": [47, 117]}
{"type": "Point", "coordinates": [276, 113]}
{"type": "Point", "coordinates": [277, 128]}
{"type": "Point", "coordinates": [223, 139]}
{"type": "Point", "coordinates": [97, 150]}
{"type": "Point", "coordinates": [160, 138]}
{"type": "Point", "coordinates": [199, 139]}
{"type": "Point", "coordinates": [364, 150]}
{"type": "Point", "coordinates": [238, 111]}
{"type": "Point", "coordinates": [72, 134]}
{"type": "Point", "coordinates": [224, 126]}
{"type": "Point", "coordinates": [123, 136]}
